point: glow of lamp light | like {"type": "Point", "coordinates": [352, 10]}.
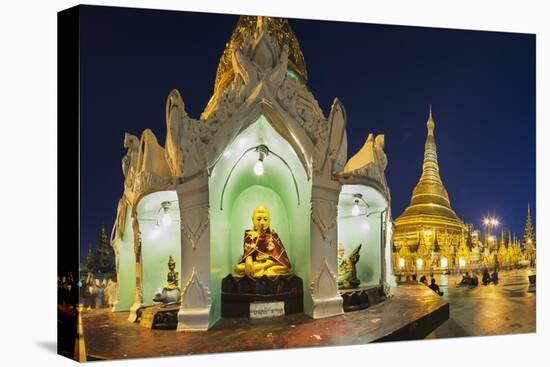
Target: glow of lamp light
{"type": "Point", "coordinates": [241, 142]}
{"type": "Point", "coordinates": [401, 263]}
{"type": "Point", "coordinates": [166, 219]}
{"type": "Point", "coordinates": [355, 210]}
{"type": "Point", "coordinates": [419, 263]}
{"type": "Point", "coordinates": [154, 233]}
{"type": "Point", "coordinates": [462, 262]}
{"type": "Point", "coordinates": [259, 168]}
{"type": "Point", "coordinates": [444, 262]}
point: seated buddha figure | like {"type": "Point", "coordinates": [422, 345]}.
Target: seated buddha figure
{"type": "Point", "coordinates": [263, 250]}
{"type": "Point", "coordinates": [172, 277]}
{"type": "Point", "coordinates": [170, 294]}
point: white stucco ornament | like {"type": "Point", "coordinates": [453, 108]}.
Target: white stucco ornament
{"type": "Point", "coordinates": [261, 76]}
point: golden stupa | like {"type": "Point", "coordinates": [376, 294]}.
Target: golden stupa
{"type": "Point", "coordinates": [429, 217]}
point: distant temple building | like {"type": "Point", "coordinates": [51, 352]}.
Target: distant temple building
{"type": "Point", "coordinates": [429, 233]}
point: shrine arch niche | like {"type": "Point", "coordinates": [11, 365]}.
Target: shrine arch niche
{"type": "Point", "coordinates": [235, 189]}
{"type": "Point", "coordinates": [366, 225]}
{"type": "Point", "coordinates": [125, 265]}
{"type": "Point", "coordinates": [158, 216]}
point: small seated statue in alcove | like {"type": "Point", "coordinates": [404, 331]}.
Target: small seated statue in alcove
{"type": "Point", "coordinates": [347, 271]}
{"type": "Point", "coordinates": [263, 250]}
{"type": "Point", "coordinates": [170, 293]}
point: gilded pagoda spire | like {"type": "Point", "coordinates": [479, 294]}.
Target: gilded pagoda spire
{"type": "Point", "coordinates": [429, 195]}
{"type": "Point", "coordinates": [430, 205]}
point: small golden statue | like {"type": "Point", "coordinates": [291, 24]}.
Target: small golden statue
{"type": "Point", "coordinates": [263, 250]}
{"type": "Point", "coordinates": [347, 271]}
{"type": "Point", "coordinates": [170, 294]}
{"type": "Point", "coordinates": [172, 277]}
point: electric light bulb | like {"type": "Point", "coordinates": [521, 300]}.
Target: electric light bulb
{"type": "Point", "coordinates": [166, 219]}
{"type": "Point", "coordinates": [154, 233]}
{"type": "Point", "coordinates": [355, 210]}
{"type": "Point", "coordinates": [259, 168]}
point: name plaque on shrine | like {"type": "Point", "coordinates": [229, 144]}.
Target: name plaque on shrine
{"type": "Point", "coordinates": [266, 310]}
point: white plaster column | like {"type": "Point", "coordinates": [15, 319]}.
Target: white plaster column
{"type": "Point", "coordinates": [138, 300]}
{"type": "Point", "coordinates": [194, 313]}
{"type": "Point", "coordinates": [326, 300]}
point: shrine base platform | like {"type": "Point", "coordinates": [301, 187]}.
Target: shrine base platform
{"type": "Point", "coordinates": [411, 313]}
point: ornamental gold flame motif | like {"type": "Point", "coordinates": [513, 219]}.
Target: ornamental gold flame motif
{"type": "Point", "coordinates": [278, 29]}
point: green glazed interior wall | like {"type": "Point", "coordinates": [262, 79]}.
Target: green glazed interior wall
{"type": "Point", "coordinates": [355, 230]}
{"type": "Point", "coordinates": [126, 266]}
{"type": "Point", "coordinates": [244, 191]}
{"type": "Point", "coordinates": [157, 246]}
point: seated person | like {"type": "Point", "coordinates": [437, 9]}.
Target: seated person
{"type": "Point", "coordinates": [263, 250]}
{"type": "Point", "coordinates": [494, 277]}
{"type": "Point", "coordinates": [466, 279]}
{"type": "Point", "coordinates": [434, 287]}
{"type": "Point", "coordinates": [486, 278]}
{"type": "Point", "coordinates": [423, 280]}
{"type": "Point", "coordinates": [474, 281]}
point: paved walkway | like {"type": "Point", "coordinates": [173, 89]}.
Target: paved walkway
{"type": "Point", "coordinates": [488, 310]}
{"type": "Point", "coordinates": [110, 336]}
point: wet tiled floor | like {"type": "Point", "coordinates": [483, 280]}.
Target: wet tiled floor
{"type": "Point", "coordinates": [110, 336]}
{"type": "Point", "coordinates": [488, 310]}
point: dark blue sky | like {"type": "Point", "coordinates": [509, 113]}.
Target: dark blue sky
{"type": "Point", "coordinates": [481, 86]}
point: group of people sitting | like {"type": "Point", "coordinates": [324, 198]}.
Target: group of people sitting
{"type": "Point", "coordinates": [492, 278]}
{"type": "Point", "coordinates": [433, 285]}
{"type": "Point", "coordinates": [471, 280]}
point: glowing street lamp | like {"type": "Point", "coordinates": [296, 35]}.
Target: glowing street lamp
{"type": "Point", "coordinates": [490, 222]}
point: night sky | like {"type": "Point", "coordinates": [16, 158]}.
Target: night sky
{"type": "Point", "coordinates": [481, 86]}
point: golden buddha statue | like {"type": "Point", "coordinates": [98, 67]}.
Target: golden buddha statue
{"type": "Point", "coordinates": [263, 250]}
{"type": "Point", "coordinates": [170, 294]}
{"type": "Point", "coordinates": [172, 277]}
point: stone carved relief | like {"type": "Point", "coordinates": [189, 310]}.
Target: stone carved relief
{"type": "Point", "coordinates": [370, 162]}
{"type": "Point", "coordinates": [323, 214]}
{"type": "Point", "coordinates": [186, 138]}
{"type": "Point", "coordinates": [194, 222]}
{"type": "Point", "coordinates": [120, 221]}
{"type": "Point", "coordinates": [331, 153]}
{"type": "Point", "coordinates": [257, 58]}
{"type": "Point", "coordinates": [324, 283]}
{"type": "Point", "coordinates": [258, 62]}
{"type": "Point", "coordinates": [131, 159]}
{"type": "Point", "coordinates": [145, 167]}
{"type": "Point", "coordinates": [195, 294]}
